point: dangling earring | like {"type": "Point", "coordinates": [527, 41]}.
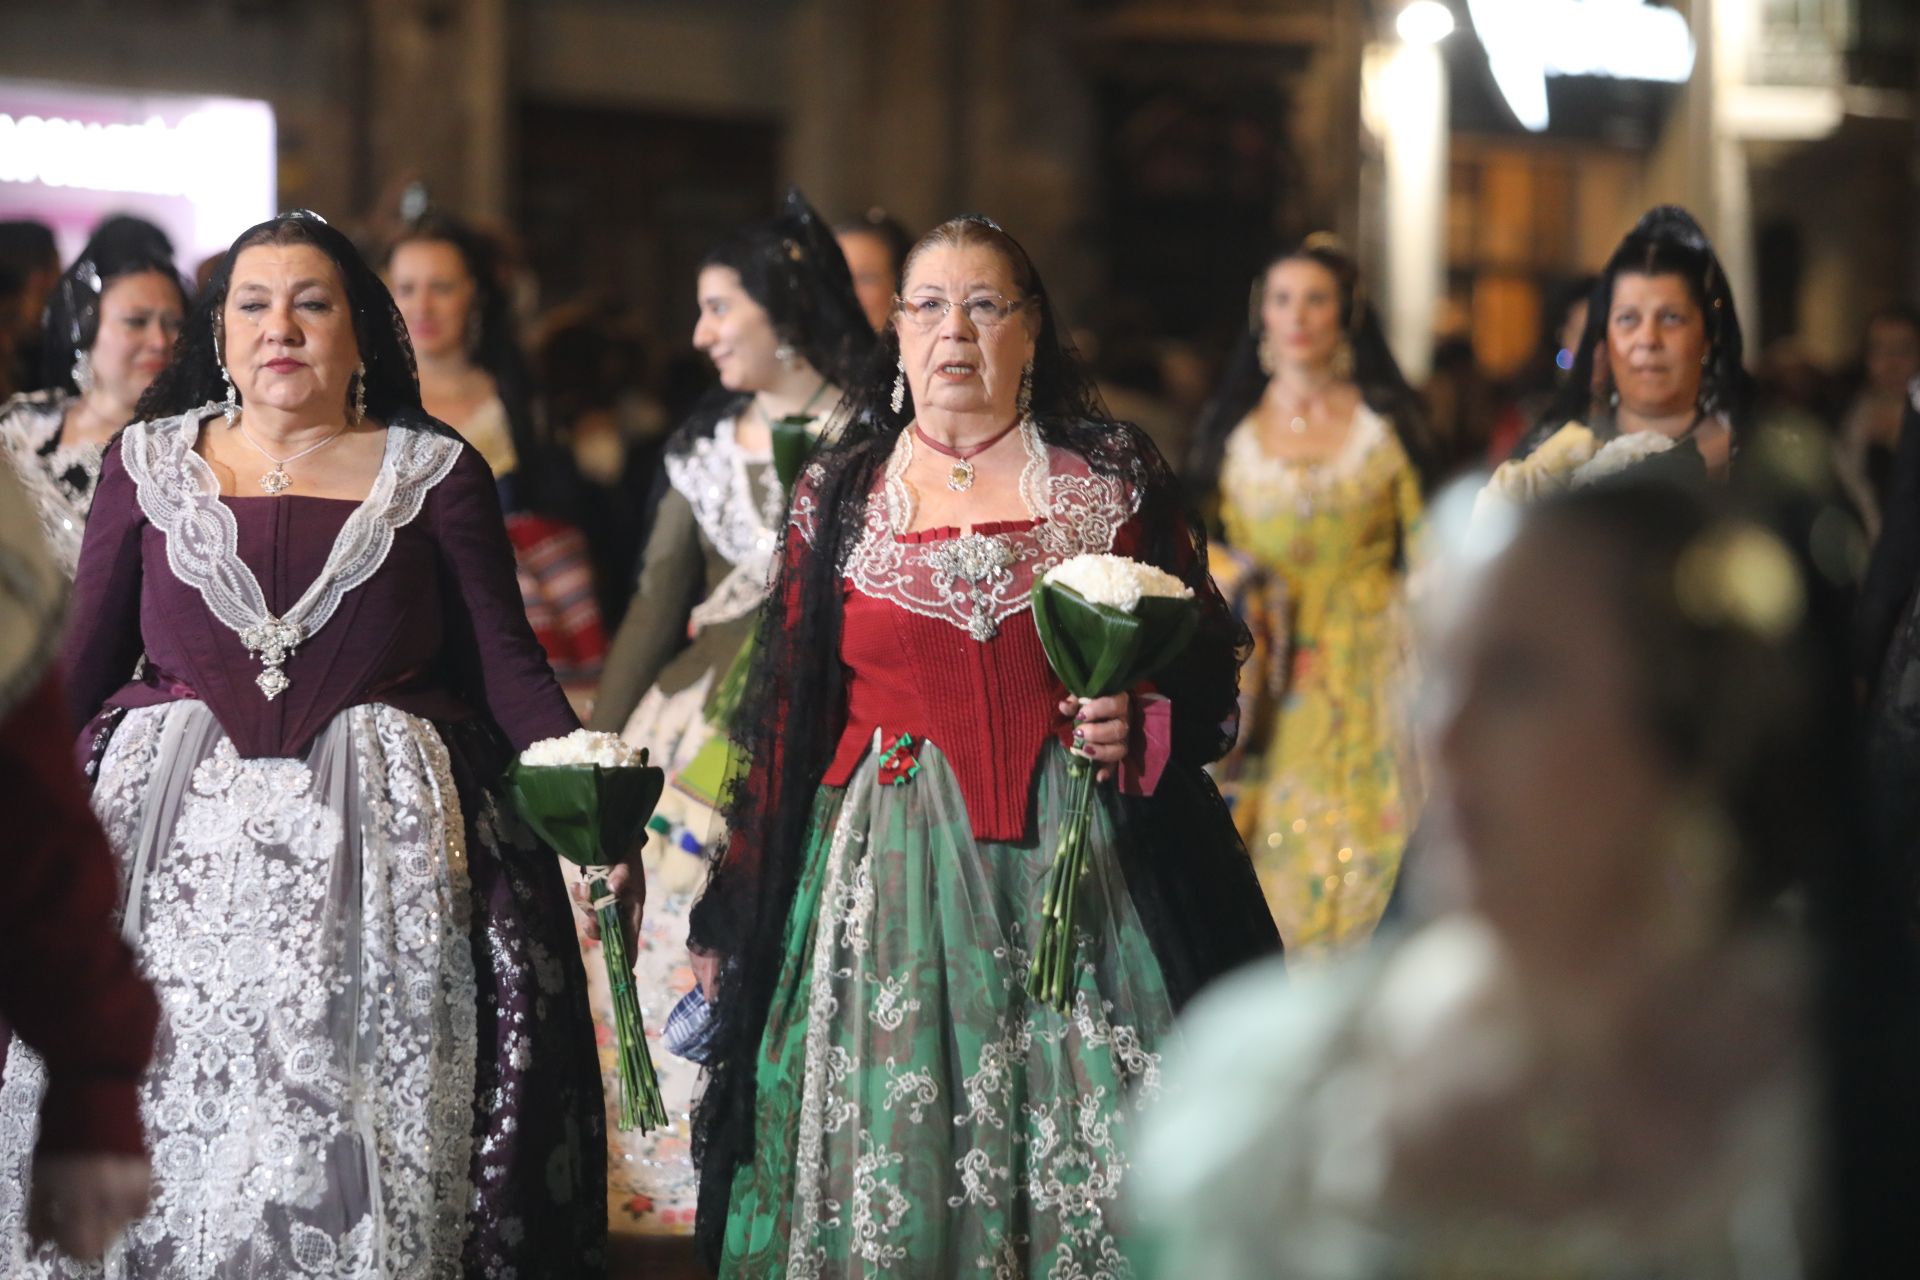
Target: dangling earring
{"type": "Point", "coordinates": [899, 398]}
{"type": "Point", "coordinates": [784, 354]}
{"type": "Point", "coordinates": [230, 408]}
{"type": "Point", "coordinates": [360, 394]}
{"type": "Point", "coordinates": [1023, 405]}
{"type": "Point", "coordinates": [1343, 361]}
{"type": "Point", "coordinates": [1264, 351]}
{"type": "Point", "coordinates": [83, 371]}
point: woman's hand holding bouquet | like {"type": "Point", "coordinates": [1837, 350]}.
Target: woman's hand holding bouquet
{"type": "Point", "coordinates": [589, 795]}
{"type": "Point", "coordinates": [1107, 623]}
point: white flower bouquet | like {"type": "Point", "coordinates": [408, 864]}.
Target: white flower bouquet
{"type": "Point", "coordinates": [1107, 623]}
{"type": "Point", "coordinates": [589, 795]}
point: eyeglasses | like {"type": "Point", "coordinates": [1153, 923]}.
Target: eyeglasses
{"type": "Point", "coordinates": [983, 310]}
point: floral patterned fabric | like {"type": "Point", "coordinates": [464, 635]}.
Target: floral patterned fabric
{"type": "Point", "coordinates": [919, 1114]}
{"type": "Point", "coordinates": [1327, 792]}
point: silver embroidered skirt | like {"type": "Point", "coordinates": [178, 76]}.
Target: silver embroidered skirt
{"type": "Point", "coordinates": [305, 921]}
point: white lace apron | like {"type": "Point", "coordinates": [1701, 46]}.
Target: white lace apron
{"type": "Point", "coordinates": [305, 923]}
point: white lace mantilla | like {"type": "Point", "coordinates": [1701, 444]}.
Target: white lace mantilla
{"type": "Point", "coordinates": [977, 581]}
{"type": "Point", "coordinates": [59, 478]}
{"type": "Point", "coordinates": [305, 925]}
{"type": "Point", "coordinates": [714, 479]}
{"type": "Point", "coordinates": [181, 496]}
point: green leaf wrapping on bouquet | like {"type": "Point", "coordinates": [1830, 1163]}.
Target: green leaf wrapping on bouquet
{"type": "Point", "coordinates": [1098, 650]}
{"type": "Point", "coordinates": [594, 817]}
{"type": "Point", "coordinates": [591, 816]}
{"type": "Point", "coordinates": [793, 444]}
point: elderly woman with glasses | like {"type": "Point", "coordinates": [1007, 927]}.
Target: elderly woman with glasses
{"type": "Point", "coordinates": [886, 1093]}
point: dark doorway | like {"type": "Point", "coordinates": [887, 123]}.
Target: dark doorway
{"type": "Point", "coordinates": [1194, 180]}
{"type": "Point", "coordinates": [621, 205]}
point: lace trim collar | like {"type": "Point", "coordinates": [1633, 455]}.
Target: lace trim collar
{"type": "Point", "coordinates": [976, 581]}
{"type": "Point", "coordinates": [180, 495]}
{"type": "Point", "coordinates": [713, 477]}
{"type": "Point", "coordinates": [1366, 433]}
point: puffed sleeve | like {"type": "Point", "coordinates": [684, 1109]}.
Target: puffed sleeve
{"type": "Point", "coordinates": [67, 981]}
{"type": "Point", "coordinates": [1547, 470]}
{"type": "Point", "coordinates": [103, 643]}
{"type": "Point", "coordinates": [492, 644]}
{"type": "Point", "coordinates": [656, 623]}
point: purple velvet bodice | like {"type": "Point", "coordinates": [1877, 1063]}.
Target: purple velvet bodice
{"type": "Point", "coordinates": [438, 630]}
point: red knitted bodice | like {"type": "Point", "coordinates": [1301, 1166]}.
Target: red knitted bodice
{"type": "Point", "coordinates": [939, 641]}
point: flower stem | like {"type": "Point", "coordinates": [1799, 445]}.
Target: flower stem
{"type": "Point", "coordinates": [640, 1103]}
{"type": "Point", "coordinates": [1050, 979]}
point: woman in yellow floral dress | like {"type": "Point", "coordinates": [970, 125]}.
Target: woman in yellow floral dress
{"type": "Point", "coordinates": [1314, 454]}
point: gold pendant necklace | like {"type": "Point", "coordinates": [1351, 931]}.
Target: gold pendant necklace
{"type": "Point", "coordinates": [960, 474]}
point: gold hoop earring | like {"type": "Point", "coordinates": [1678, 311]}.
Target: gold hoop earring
{"type": "Point", "coordinates": [1343, 361]}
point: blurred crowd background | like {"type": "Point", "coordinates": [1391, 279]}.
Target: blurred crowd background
{"type": "Point", "coordinates": [540, 181]}
{"type": "Point", "coordinates": [1151, 153]}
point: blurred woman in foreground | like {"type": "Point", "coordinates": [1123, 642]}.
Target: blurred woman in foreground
{"type": "Point", "coordinates": [1603, 1056]}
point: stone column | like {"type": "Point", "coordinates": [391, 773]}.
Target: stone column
{"type": "Point", "coordinates": [438, 99]}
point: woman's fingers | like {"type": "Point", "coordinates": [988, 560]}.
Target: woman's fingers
{"type": "Point", "coordinates": [706, 971]}
{"type": "Point", "coordinates": [626, 883]}
{"type": "Point", "coordinates": [583, 907]}
{"type": "Point", "coordinates": [1101, 728]}
{"type": "Point", "coordinates": [629, 884]}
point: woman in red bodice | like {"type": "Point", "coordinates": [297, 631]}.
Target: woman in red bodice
{"type": "Point", "coordinates": [886, 1092]}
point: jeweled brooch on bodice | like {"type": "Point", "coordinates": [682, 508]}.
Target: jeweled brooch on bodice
{"type": "Point", "coordinates": [272, 642]}
{"type": "Point", "coordinates": [976, 559]}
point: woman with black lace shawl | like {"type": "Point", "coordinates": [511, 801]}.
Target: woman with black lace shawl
{"type": "Point", "coordinates": [885, 1092]}
{"type": "Point", "coordinates": [784, 329]}
{"type": "Point", "coordinates": [1658, 380]}
{"type": "Point", "coordinates": [108, 330]}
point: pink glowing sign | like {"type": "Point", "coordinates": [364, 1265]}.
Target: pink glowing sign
{"type": "Point", "coordinates": [203, 169]}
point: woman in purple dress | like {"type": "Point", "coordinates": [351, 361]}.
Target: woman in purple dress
{"type": "Point", "coordinates": [375, 1057]}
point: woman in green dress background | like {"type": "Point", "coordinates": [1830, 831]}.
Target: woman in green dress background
{"type": "Point", "coordinates": [779, 320]}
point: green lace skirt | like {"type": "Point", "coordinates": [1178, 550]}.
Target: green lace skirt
{"type": "Point", "coordinates": [918, 1114]}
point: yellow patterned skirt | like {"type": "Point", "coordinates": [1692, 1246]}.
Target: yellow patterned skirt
{"type": "Point", "coordinates": [1327, 806]}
